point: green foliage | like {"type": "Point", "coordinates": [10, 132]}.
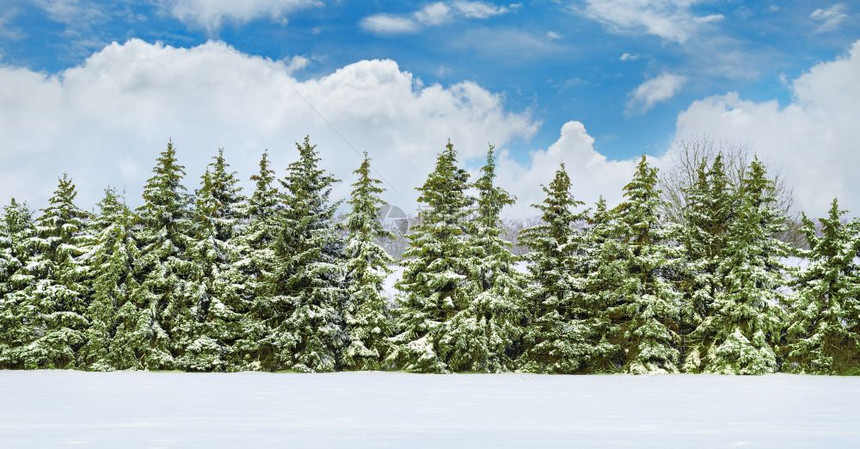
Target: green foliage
{"type": "Point", "coordinates": [822, 331]}
{"type": "Point", "coordinates": [55, 302]}
{"type": "Point", "coordinates": [164, 266]}
{"type": "Point", "coordinates": [304, 299]}
{"type": "Point", "coordinates": [561, 332]}
{"type": "Point", "coordinates": [16, 230]}
{"type": "Point", "coordinates": [481, 336]}
{"type": "Point", "coordinates": [741, 335]}
{"type": "Point", "coordinates": [114, 337]}
{"type": "Point", "coordinates": [367, 314]}
{"type": "Point", "coordinates": [436, 283]}
{"type": "Point", "coordinates": [642, 303]}
{"type": "Point", "coordinates": [216, 284]}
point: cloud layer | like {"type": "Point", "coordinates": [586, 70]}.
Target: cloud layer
{"type": "Point", "coordinates": [432, 14]}
{"type": "Point", "coordinates": [671, 20]}
{"type": "Point", "coordinates": [814, 140]}
{"type": "Point", "coordinates": [211, 14]}
{"type": "Point", "coordinates": [105, 121]}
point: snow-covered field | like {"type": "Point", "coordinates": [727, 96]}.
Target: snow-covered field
{"type": "Point", "coordinates": [55, 409]}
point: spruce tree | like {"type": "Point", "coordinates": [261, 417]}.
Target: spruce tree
{"type": "Point", "coordinates": [741, 335]}
{"type": "Point", "coordinates": [436, 282]}
{"type": "Point", "coordinates": [307, 288]}
{"type": "Point", "coordinates": [216, 283]}
{"type": "Point", "coordinates": [825, 300]}
{"type": "Point", "coordinates": [707, 214]}
{"type": "Point", "coordinates": [164, 267]}
{"type": "Point", "coordinates": [55, 301]}
{"type": "Point", "coordinates": [16, 230]}
{"type": "Point", "coordinates": [115, 334]}
{"type": "Point", "coordinates": [367, 314]}
{"type": "Point", "coordinates": [482, 334]}
{"type": "Point", "coordinates": [255, 244]}
{"type": "Point", "coordinates": [642, 303]}
{"type": "Point", "coordinates": [602, 270]}
{"type": "Point", "coordinates": [562, 331]}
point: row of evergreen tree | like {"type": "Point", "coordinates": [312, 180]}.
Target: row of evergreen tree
{"type": "Point", "coordinates": [216, 281]}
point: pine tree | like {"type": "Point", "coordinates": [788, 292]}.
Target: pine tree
{"type": "Point", "coordinates": [55, 302]}
{"type": "Point", "coordinates": [16, 230]}
{"type": "Point", "coordinates": [707, 215]}
{"type": "Point", "coordinates": [115, 334]}
{"type": "Point", "coordinates": [367, 314]}
{"type": "Point", "coordinates": [483, 333]}
{"type": "Point", "coordinates": [307, 290]}
{"type": "Point", "coordinates": [825, 300]}
{"type": "Point", "coordinates": [164, 267]}
{"type": "Point", "coordinates": [643, 304]}
{"type": "Point", "coordinates": [217, 284]}
{"type": "Point", "coordinates": [436, 282]}
{"type": "Point", "coordinates": [741, 335]}
{"type": "Point", "coordinates": [560, 333]}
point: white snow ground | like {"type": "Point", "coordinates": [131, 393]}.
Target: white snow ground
{"type": "Point", "coordinates": [56, 409]}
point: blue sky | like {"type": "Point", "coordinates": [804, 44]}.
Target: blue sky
{"type": "Point", "coordinates": [626, 69]}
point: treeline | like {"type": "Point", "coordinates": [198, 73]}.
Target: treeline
{"type": "Point", "coordinates": [217, 281]}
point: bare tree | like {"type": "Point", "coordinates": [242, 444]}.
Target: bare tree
{"type": "Point", "coordinates": [692, 152]}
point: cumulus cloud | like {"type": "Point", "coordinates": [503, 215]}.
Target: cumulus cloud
{"type": "Point", "coordinates": [814, 140]}
{"type": "Point", "coordinates": [211, 14]}
{"type": "Point", "coordinates": [105, 121]}
{"type": "Point", "coordinates": [671, 20]}
{"type": "Point", "coordinates": [592, 174]}
{"type": "Point", "coordinates": [655, 90]}
{"type": "Point", "coordinates": [431, 14]}
{"type": "Point", "coordinates": [830, 18]}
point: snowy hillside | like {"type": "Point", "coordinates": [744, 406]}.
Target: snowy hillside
{"type": "Point", "coordinates": [49, 409]}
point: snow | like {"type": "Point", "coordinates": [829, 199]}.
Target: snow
{"type": "Point", "coordinates": [256, 410]}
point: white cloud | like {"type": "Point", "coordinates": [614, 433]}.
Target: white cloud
{"type": "Point", "coordinates": [480, 10]}
{"type": "Point", "coordinates": [671, 20]}
{"type": "Point", "coordinates": [211, 14]}
{"type": "Point", "coordinates": [814, 140]}
{"type": "Point", "coordinates": [7, 31]}
{"type": "Point", "coordinates": [552, 35]}
{"type": "Point", "coordinates": [830, 18]}
{"type": "Point", "coordinates": [592, 174]}
{"type": "Point", "coordinates": [629, 57]}
{"type": "Point", "coordinates": [390, 24]}
{"type": "Point", "coordinates": [105, 121]}
{"type": "Point", "coordinates": [655, 90]}
{"type": "Point", "coordinates": [431, 14]}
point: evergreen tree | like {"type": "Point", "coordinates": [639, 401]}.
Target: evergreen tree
{"type": "Point", "coordinates": [116, 331]}
{"type": "Point", "coordinates": [367, 314]}
{"type": "Point", "coordinates": [602, 271]}
{"type": "Point", "coordinates": [55, 302]}
{"type": "Point", "coordinates": [482, 334]}
{"type": "Point", "coordinates": [825, 300]}
{"type": "Point", "coordinates": [164, 267]}
{"type": "Point", "coordinates": [745, 327]}
{"type": "Point", "coordinates": [217, 283]}
{"type": "Point", "coordinates": [643, 304]}
{"type": "Point", "coordinates": [16, 230]}
{"type": "Point", "coordinates": [436, 282]}
{"type": "Point", "coordinates": [255, 244]}
{"type": "Point", "coordinates": [703, 233]}
{"type": "Point", "coordinates": [307, 289]}
{"type": "Point", "coordinates": [559, 337]}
